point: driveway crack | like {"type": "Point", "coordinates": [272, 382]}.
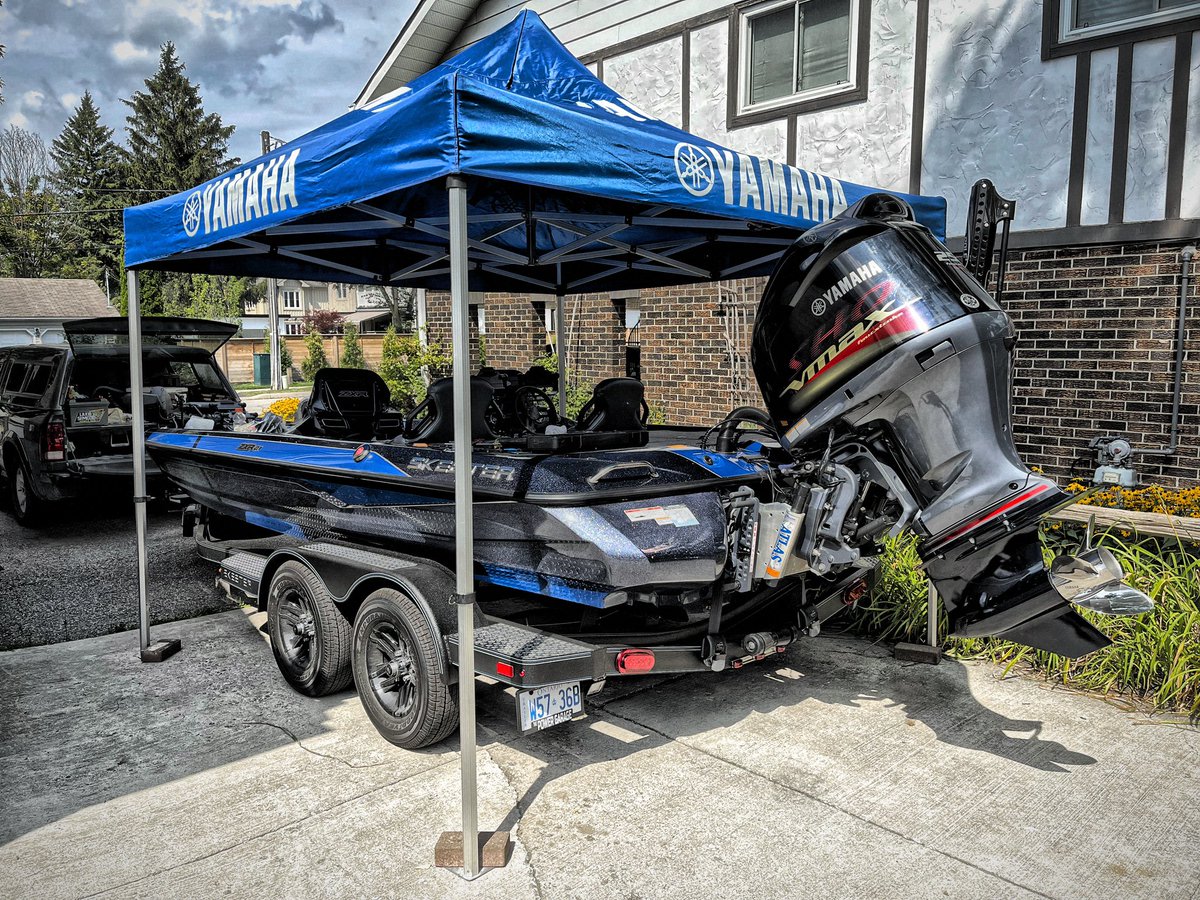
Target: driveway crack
{"type": "Point", "coordinates": [300, 743]}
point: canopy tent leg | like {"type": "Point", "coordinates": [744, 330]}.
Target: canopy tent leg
{"type": "Point", "coordinates": [159, 650]}
{"type": "Point", "coordinates": [560, 341]}
{"type": "Point", "coordinates": [276, 339]}
{"type": "Point", "coordinates": [464, 558]}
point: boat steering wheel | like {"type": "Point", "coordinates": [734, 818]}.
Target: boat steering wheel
{"type": "Point", "coordinates": [534, 409]}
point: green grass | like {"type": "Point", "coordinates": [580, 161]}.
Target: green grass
{"type": "Point", "coordinates": [1155, 656]}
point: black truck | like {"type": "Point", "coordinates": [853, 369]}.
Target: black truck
{"type": "Point", "coordinates": [66, 409]}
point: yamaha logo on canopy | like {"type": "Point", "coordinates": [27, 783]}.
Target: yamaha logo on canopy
{"type": "Point", "coordinates": [244, 196]}
{"type": "Point", "coordinates": [757, 183]}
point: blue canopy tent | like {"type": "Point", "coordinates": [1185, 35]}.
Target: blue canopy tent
{"type": "Point", "coordinates": [508, 168]}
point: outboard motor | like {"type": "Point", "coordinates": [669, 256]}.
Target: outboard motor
{"type": "Point", "coordinates": [887, 369]}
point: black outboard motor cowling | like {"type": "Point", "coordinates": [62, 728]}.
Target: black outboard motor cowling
{"type": "Point", "coordinates": [870, 329]}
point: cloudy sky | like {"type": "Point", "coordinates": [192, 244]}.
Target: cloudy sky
{"type": "Point", "coordinates": [281, 65]}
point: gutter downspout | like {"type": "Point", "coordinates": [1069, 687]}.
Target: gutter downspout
{"type": "Point", "coordinates": [1185, 278]}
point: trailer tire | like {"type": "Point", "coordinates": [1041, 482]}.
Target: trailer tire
{"type": "Point", "coordinates": [398, 671]}
{"type": "Point", "coordinates": [310, 635]}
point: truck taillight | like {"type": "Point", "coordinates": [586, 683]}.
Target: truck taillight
{"type": "Point", "coordinates": [54, 442]}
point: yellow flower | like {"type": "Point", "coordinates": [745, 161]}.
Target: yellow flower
{"type": "Point", "coordinates": [285, 408]}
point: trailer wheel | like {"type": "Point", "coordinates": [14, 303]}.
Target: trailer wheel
{"type": "Point", "coordinates": [397, 670]}
{"type": "Point", "coordinates": [309, 634]}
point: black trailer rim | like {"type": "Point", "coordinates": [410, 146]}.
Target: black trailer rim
{"type": "Point", "coordinates": [297, 630]}
{"type": "Point", "coordinates": [391, 668]}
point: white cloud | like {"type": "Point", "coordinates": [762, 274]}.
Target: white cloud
{"type": "Point", "coordinates": [19, 119]}
{"type": "Point", "coordinates": [32, 100]}
{"type": "Point", "coordinates": [125, 51]}
{"type": "Point", "coordinates": [69, 100]}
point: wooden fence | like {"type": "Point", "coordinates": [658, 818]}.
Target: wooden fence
{"type": "Point", "coordinates": [236, 358]}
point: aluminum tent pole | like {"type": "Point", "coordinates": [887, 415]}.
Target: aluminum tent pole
{"type": "Point", "coordinates": [273, 324]}
{"type": "Point", "coordinates": [560, 315]}
{"type": "Point", "coordinates": [464, 558]}
{"type": "Point", "coordinates": [160, 650]}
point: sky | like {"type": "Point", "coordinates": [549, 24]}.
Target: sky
{"type": "Point", "coordinates": [284, 66]}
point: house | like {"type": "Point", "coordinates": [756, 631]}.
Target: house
{"type": "Point", "coordinates": [1086, 112]}
{"type": "Point", "coordinates": [298, 299]}
{"type": "Point", "coordinates": [32, 310]}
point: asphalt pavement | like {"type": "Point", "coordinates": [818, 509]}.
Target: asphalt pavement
{"type": "Point", "coordinates": [75, 576]}
{"type": "Point", "coordinates": [832, 772]}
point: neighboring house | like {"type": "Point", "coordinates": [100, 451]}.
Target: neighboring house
{"type": "Point", "coordinates": [32, 310]}
{"type": "Point", "coordinates": [296, 300]}
{"type": "Point", "coordinates": [1086, 112]}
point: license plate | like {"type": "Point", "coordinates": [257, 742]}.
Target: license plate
{"type": "Point", "coordinates": [546, 706]}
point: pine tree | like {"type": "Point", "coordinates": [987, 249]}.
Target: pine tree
{"type": "Point", "coordinates": [173, 143]}
{"type": "Point", "coordinates": [316, 359]}
{"type": "Point", "coordinates": [88, 170]}
{"type": "Point", "coordinates": [352, 351]}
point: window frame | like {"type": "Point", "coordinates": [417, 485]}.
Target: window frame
{"type": "Point", "coordinates": [741, 113]}
{"type": "Point", "coordinates": [1057, 42]}
{"type": "Point", "coordinates": [299, 295]}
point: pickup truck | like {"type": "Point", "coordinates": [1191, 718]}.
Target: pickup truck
{"type": "Point", "coordinates": [66, 409]}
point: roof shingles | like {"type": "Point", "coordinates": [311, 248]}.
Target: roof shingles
{"type": "Point", "coordinates": [52, 298]}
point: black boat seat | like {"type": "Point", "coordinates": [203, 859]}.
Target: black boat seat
{"type": "Point", "coordinates": [617, 404]}
{"type": "Point", "coordinates": [432, 422]}
{"type": "Point", "coordinates": [348, 404]}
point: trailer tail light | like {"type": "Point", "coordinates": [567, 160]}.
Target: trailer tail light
{"type": "Point", "coordinates": [631, 660]}
{"type": "Point", "coordinates": [505, 669]}
{"type": "Point", "coordinates": [54, 442]}
{"type": "Point", "coordinates": [856, 592]}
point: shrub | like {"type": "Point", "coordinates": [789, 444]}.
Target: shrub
{"type": "Point", "coordinates": [325, 321]}
{"type": "Point", "coordinates": [401, 363]}
{"type": "Point", "coordinates": [316, 359]}
{"type": "Point", "coordinates": [352, 352]}
{"type": "Point", "coordinates": [1155, 655]}
{"type": "Point", "coordinates": [579, 391]}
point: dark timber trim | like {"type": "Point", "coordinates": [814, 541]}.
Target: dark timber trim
{"type": "Point", "coordinates": [685, 78]}
{"type": "Point", "coordinates": [1079, 123]}
{"type": "Point", "coordinates": [1086, 235]}
{"type": "Point", "coordinates": [1054, 48]}
{"type": "Point", "coordinates": [856, 94]}
{"type": "Point", "coordinates": [792, 127]}
{"type": "Point", "coordinates": [916, 150]}
{"type": "Point", "coordinates": [1177, 142]}
{"type": "Point", "coordinates": [1120, 155]}
{"type": "Point", "coordinates": [657, 36]}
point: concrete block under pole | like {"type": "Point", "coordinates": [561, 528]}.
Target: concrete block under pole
{"type": "Point", "coordinates": [929, 653]}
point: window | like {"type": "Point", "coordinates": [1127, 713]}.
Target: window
{"type": "Point", "coordinates": [1079, 26]}
{"type": "Point", "coordinates": [1086, 18]}
{"type": "Point", "coordinates": [799, 51]}
{"type": "Point", "coordinates": [291, 299]}
{"type": "Point", "coordinates": [294, 326]}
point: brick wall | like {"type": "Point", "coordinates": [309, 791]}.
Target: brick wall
{"type": "Point", "coordinates": [1096, 353]}
{"type": "Point", "coordinates": [1096, 330]}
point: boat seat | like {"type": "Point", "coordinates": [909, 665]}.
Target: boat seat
{"type": "Point", "coordinates": [348, 404]}
{"type": "Point", "coordinates": [617, 404]}
{"type": "Point", "coordinates": [432, 422]}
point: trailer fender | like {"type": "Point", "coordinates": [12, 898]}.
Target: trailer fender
{"type": "Point", "coordinates": [351, 576]}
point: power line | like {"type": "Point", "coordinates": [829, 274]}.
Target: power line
{"type": "Point", "coordinates": [72, 212]}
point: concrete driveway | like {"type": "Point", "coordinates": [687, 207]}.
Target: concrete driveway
{"type": "Point", "coordinates": [836, 772]}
